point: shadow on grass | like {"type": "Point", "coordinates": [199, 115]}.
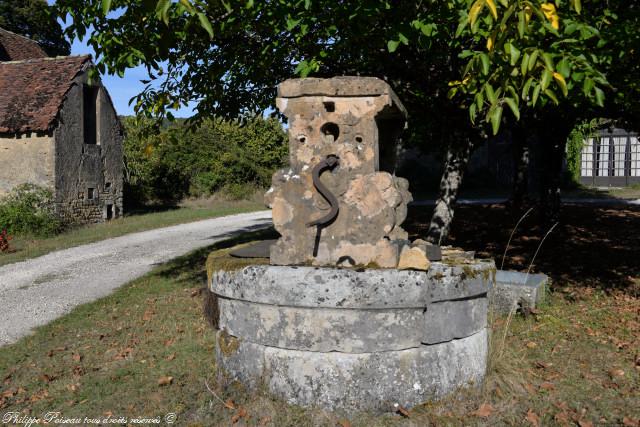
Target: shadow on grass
{"type": "Point", "coordinates": [593, 246]}
{"type": "Point", "coordinates": [191, 267]}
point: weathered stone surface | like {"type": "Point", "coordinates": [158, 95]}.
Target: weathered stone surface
{"type": "Point", "coordinates": [366, 381]}
{"type": "Point", "coordinates": [448, 320]}
{"type": "Point", "coordinates": [358, 120]}
{"type": "Point", "coordinates": [514, 290]}
{"type": "Point", "coordinates": [413, 259]}
{"type": "Point", "coordinates": [459, 281]}
{"type": "Point", "coordinates": [345, 288]}
{"type": "Point", "coordinates": [434, 252]}
{"type": "Point", "coordinates": [322, 329]}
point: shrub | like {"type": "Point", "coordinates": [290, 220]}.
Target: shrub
{"type": "Point", "coordinates": [173, 163]}
{"type": "Point", "coordinates": [28, 209]}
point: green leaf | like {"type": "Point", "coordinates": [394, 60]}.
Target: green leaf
{"type": "Point", "coordinates": [552, 96]}
{"type": "Point", "coordinates": [162, 9]}
{"type": "Point", "coordinates": [536, 94]}
{"type": "Point", "coordinates": [515, 54]}
{"type": "Point", "coordinates": [577, 5]}
{"type": "Point", "coordinates": [472, 113]}
{"type": "Point", "coordinates": [403, 39]}
{"type": "Point", "coordinates": [496, 118]}
{"type": "Point", "coordinates": [291, 23]}
{"type": "Point", "coordinates": [546, 78]}
{"type": "Point", "coordinates": [548, 60]}
{"type": "Point", "coordinates": [564, 68]}
{"type": "Point", "coordinates": [249, 4]}
{"type": "Point", "coordinates": [514, 107]}
{"type": "Point", "coordinates": [599, 97]}
{"type": "Point", "coordinates": [392, 45]}
{"type": "Point", "coordinates": [526, 88]}
{"type": "Point", "coordinates": [533, 59]}
{"type": "Point", "coordinates": [588, 86]}
{"type": "Point", "coordinates": [524, 64]}
{"type": "Point", "coordinates": [106, 7]}
{"type": "Point", "coordinates": [521, 24]}
{"type": "Point", "coordinates": [204, 21]}
{"type": "Point", "coordinates": [484, 59]}
{"type": "Point", "coordinates": [491, 95]}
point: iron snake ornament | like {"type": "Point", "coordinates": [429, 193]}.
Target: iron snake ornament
{"type": "Point", "coordinates": [329, 163]}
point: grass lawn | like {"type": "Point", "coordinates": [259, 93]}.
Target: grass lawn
{"type": "Point", "coordinates": [24, 247]}
{"type": "Point", "coordinates": [146, 350]}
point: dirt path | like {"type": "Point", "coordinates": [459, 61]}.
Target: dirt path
{"type": "Point", "coordinates": [39, 290]}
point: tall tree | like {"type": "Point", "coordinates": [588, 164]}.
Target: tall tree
{"type": "Point", "coordinates": [33, 19]}
{"type": "Point", "coordinates": [449, 60]}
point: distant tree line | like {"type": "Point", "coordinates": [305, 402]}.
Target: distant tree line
{"type": "Point", "coordinates": [176, 161]}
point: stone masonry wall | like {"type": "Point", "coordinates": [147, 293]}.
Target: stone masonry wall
{"type": "Point", "coordinates": [80, 167]}
{"type": "Point", "coordinates": [26, 158]}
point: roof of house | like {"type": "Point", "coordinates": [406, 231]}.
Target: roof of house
{"type": "Point", "coordinates": [32, 91]}
{"type": "Point", "coordinates": [14, 47]}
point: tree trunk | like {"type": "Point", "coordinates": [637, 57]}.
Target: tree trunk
{"type": "Point", "coordinates": [521, 167]}
{"type": "Point", "coordinates": [554, 139]}
{"type": "Point", "coordinates": [456, 163]}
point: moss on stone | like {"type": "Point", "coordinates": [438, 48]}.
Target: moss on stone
{"type": "Point", "coordinates": [221, 260]}
{"type": "Point", "coordinates": [228, 344]}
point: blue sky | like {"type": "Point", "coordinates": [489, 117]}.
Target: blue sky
{"type": "Point", "coordinates": [120, 89]}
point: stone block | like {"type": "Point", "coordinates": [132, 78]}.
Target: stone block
{"type": "Point", "coordinates": [348, 288]}
{"type": "Point", "coordinates": [448, 320]}
{"type": "Point", "coordinates": [323, 287]}
{"type": "Point", "coordinates": [514, 290]}
{"type": "Point", "coordinates": [321, 329]}
{"type": "Point", "coordinates": [459, 281]}
{"type": "Point", "coordinates": [365, 381]}
{"type": "Point", "coordinates": [413, 258]}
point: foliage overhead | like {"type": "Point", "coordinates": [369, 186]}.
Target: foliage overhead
{"type": "Point", "coordinates": [527, 56]}
{"type": "Point", "coordinates": [33, 19]}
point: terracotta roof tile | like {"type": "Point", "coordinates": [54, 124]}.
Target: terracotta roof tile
{"type": "Point", "coordinates": [32, 91]}
{"type": "Point", "coordinates": [14, 47]}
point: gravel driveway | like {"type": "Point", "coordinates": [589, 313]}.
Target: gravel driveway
{"type": "Point", "coordinates": [37, 291]}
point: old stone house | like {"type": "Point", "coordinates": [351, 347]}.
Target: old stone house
{"type": "Point", "coordinates": [59, 129]}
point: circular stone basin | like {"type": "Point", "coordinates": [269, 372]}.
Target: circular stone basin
{"type": "Point", "coordinates": [354, 340]}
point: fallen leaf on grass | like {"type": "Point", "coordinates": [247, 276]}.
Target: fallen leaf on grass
{"type": "Point", "coordinates": [47, 378]}
{"type": "Point", "coordinates": [229, 404]}
{"type": "Point", "coordinates": [630, 422]}
{"type": "Point", "coordinates": [242, 413]}
{"type": "Point", "coordinates": [401, 410]}
{"type": "Point", "coordinates": [56, 350]}
{"type": "Point", "coordinates": [562, 418]}
{"type": "Point", "coordinates": [169, 342]}
{"type": "Point", "coordinates": [162, 381]}
{"type": "Point", "coordinates": [148, 314]}
{"type": "Point", "coordinates": [585, 423]}
{"type": "Point", "coordinates": [344, 423]}
{"type": "Point", "coordinates": [8, 393]}
{"type": "Point", "coordinates": [543, 365]}
{"type": "Point", "coordinates": [533, 418]}
{"type": "Point", "coordinates": [531, 344]}
{"type": "Point", "coordinates": [547, 386]}
{"type": "Point", "coordinates": [264, 421]}
{"type": "Point", "coordinates": [616, 372]}
{"type": "Point", "coordinates": [73, 387]}
{"type": "Point", "coordinates": [171, 357]}
{"type": "Point", "coordinates": [76, 357]}
{"type": "Point", "coordinates": [485, 410]}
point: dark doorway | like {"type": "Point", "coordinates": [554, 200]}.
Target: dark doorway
{"type": "Point", "coordinates": [109, 212]}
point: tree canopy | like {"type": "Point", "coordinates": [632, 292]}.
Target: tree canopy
{"type": "Point", "coordinates": [33, 19]}
{"type": "Point", "coordinates": [487, 55]}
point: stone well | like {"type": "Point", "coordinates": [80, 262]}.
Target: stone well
{"type": "Point", "coordinates": [350, 314]}
{"type": "Point", "coordinates": [354, 340]}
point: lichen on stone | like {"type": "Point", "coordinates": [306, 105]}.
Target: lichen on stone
{"type": "Point", "coordinates": [227, 344]}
